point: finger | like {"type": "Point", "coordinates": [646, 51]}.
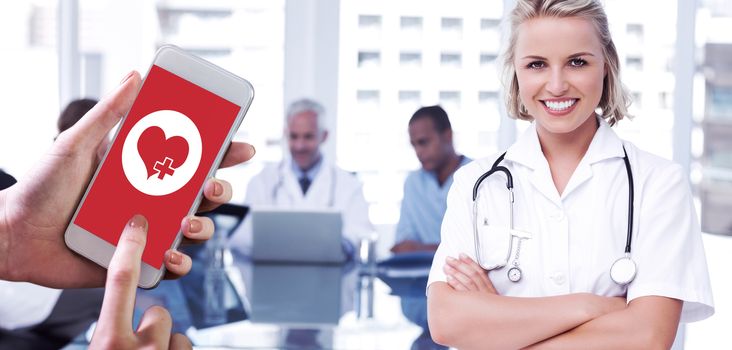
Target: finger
{"type": "Point", "coordinates": [197, 229]}
{"type": "Point", "coordinates": [123, 275]}
{"type": "Point", "coordinates": [154, 329]}
{"type": "Point", "coordinates": [462, 278]}
{"type": "Point", "coordinates": [177, 264]}
{"type": "Point", "coordinates": [238, 152]}
{"type": "Point", "coordinates": [455, 284]}
{"type": "Point", "coordinates": [215, 193]}
{"type": "Point", "coordinates": [88, 133]}
{"type": "Point", "coordinates": [476, 276]}
{"type": "Point", "coordinates": [476, 270]}
{"type": "Point", "coordinates": [180, 342]}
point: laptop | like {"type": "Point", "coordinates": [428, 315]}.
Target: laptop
{"type": "Point", "coordinates": [296, 294]}
{"type": "Point", "coordinates": [289, 236]}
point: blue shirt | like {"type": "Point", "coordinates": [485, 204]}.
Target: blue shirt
{"type": "Point", "coordinates": [423, 206]}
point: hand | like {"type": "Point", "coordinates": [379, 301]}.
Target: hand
{"type": "Point", "coordinates": [410, 245]}
{"type": "Point", "coordinates": [464, 274]}
{"type": "Point", "coordinates": [35, 212]}
{"type": "Point", "coordinates": [114, 328]}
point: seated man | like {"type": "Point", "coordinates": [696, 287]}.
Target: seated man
{"type": "Point", "coordinates": [425, 190]}
{"type": "Point", "coordinates": [425, 200]}
{"type": "Point", "coordinates": [306, 179]}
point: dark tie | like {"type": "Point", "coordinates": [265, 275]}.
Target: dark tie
{"type": "Point", "coordinates": [304, 184]}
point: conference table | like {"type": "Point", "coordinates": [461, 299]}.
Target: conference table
{"type": "Point", "coordinates": [229, 301]}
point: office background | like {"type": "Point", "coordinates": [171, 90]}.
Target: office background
{"type": "Point", "coordinates": [372, 63]}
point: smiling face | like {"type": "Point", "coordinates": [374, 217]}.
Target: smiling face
{"type": "Point", "coordinates": [560, 70]}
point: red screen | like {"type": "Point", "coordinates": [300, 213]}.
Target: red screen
{"type": "Point", "coordinates": [168, 143]}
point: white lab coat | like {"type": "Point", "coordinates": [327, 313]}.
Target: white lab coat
{"type": "Point", "coordinates": [332, 188]}
{"type": "Point", "coordinates": [25, 304]}
{"type": "Point", "coordinates": [576, 237]}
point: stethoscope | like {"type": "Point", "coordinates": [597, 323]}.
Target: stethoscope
{"type": "Point", "coordinates": [622, 271]}
{"type": "Point", "coordinates": [281, 182]}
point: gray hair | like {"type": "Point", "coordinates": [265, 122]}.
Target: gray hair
{"type": "Point", "coordinates": [306, 105]}
{"type": "Point", "coordinates": [614, 101]}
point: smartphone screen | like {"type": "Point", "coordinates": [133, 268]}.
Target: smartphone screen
{"type": "Point", "coordinates": [158, 162]}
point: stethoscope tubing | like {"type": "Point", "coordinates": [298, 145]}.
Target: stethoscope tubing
{"type": "Point", "coordinates": [509, 186]}
{"type": "Point", "coordinates": [631, 201]}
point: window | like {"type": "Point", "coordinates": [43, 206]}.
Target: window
{"type": "Point", "coordinates": [368, 97]}
{"type": "Point", "coordinates": [368, 59]}
{"type": "Point", "coordinates": [452, 25]}
{"type": "Point", "coordinates": [487, 97]}
{"type": "Point", "coordinates": [450, 99]}
{"type": "Point", "coordinates": [410, 59]}
{"type": "Point", "coordinates": [490, 33]}
{"type": "Point", "coordinates": [369, 22]}
{"type": "Point", "coordinates": [489, 24]}
{"type": "Point", "coordinates": [409, 97]}
{"type": "Point", "coordinates": [634, 63]}
{"type": "Point", "coordinates": [635, 32]}
{"type": "Point", "coordinates": [488, 59]}
{"type": "Point", "coordinates": [410, 23]}
{"type": "Point", "coordinates": [720, 102]}
{"type": "Point", "coordinates": [453, 60]}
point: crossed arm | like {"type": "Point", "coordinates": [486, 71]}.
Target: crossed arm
{"type": "Point", "coordinates": [467, 313]}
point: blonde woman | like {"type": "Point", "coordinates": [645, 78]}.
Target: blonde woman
{"type": "Point", "coordinates": [536, 273]}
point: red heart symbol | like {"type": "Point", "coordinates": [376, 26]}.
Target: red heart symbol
{"type": "Point", "coordinates": [160, 155]}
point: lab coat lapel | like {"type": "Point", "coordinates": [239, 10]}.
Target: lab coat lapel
{"type": "Point", "coordinates": [319, 193]}
{"type": "Point", "coordinates": [292, 186]}
{"type": "Point", "coordinates": [605, 145]}
{"type": "Point", "coordinates": [582, 173]}
{"type": "Point", "coordinates": [527, 152]}
{"type": "Point", "coordinates": [542, 181]}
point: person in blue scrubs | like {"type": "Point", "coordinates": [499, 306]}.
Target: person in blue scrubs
{"type": "Point", "coordinates": [425, 202]}
{"type": "Point", "coordinates": [425, 190]}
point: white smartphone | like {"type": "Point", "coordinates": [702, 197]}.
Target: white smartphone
{"type": "Point", "coordinates": [170, 142]}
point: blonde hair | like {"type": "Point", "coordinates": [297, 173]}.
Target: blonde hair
{"type": "Point", "coordinates": [614, 101]}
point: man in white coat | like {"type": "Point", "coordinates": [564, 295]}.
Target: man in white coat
{"type": "Point", "coordinates": [305, 179]}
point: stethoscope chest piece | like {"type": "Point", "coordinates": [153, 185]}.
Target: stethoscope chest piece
{"type": "Point", "coordinates": [623, 270]}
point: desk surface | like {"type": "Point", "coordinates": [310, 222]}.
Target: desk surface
{"type": "Point", "coordinates": [292, 306]}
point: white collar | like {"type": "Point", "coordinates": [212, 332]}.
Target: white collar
{"type": "Point", "coordinates": [527, 150]}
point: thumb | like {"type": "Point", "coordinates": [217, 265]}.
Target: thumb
{"type": "Point", "coordinates": [94, 126]}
